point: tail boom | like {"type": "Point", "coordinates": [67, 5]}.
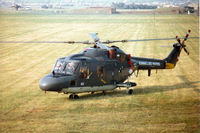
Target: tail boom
{"type": "Point", "coordinates": [150, 63]}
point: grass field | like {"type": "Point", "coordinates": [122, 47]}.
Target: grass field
{"type": "Point", "coordinates": [165, 102]}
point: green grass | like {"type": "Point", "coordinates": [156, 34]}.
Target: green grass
{"type": "Point", "coordinates": [165, 102]}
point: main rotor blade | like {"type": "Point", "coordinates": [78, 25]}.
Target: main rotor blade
{"type": "Point", "coordinates": [142, 40]}
{"type": "Point", "coordinates": [69, 42]}
{"type": "Point", "coordinates": [88, 42]}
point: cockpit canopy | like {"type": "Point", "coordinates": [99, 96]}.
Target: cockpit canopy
{"type": "Point", "coordinates": [65, 67]}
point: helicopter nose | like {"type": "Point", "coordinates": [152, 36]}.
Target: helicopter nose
{"type": "Point", "coordinates": [50, 83]}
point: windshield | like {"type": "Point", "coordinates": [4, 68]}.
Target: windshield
{"type": "Point", "coordinates": [63, 67]}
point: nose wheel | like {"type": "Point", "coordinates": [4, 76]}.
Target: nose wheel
{"type": "Point", "coordinates": [73, 96]}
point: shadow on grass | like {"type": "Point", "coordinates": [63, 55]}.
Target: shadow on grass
{"type": "Point", "coordinates": [153, 89]}
{"type": "Point", "coordinates": [144, 90]}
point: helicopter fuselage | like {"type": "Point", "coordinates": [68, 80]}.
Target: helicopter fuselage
{"type": "Point", "coordinates": [93, 70]}
{"type": "Point", "coordinates": [102, 68]}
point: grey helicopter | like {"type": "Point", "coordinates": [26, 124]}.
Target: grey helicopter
{"type": "Point", "coordinates": [103, 68]}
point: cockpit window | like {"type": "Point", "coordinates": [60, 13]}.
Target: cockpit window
{"type": "Point", "coordinates": [63, 67]}
{"type": "Point", "coordinates": [59, 65]}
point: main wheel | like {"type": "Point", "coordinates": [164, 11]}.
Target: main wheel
{"type": "Point", "coordinates": [76, 97]}
{"type": "Point", "coordinates": [71, 96]}
{"type": "Point", "coordinates": [130, 91]}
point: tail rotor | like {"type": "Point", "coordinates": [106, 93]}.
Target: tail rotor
{"type": "Point", "coordinates": [182, 44]}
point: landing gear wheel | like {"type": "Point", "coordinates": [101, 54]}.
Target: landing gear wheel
{"type": "Point", "coordinates": [130, 91]}
{"type": "Point", "coordinates": [71, 96]}
{"type": "Point", "coordinates": [76, 97]}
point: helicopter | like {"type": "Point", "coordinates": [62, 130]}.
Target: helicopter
{"type": "Point", "coordinates": [103, 68]}
{"type": "Point", "coordinates": [16, 6]}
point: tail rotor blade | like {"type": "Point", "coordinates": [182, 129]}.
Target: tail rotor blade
{"type": "Point", "coordinates": [178, 40]}
{"type": "Point", "coordinates": [182, 44]}
{"type": "Point", "coordinates": [186, 51]}
{"type": "Point", "coordinates": [185, 39]}
{"type": "Point", "coordinates": [186, 36]}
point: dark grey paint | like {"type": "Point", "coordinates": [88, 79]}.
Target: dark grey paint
{"type": "Point", "coordinates": [115, 71]}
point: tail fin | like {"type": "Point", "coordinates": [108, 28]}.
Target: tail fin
{"type": "Point", "coordinates": [172, 58]}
